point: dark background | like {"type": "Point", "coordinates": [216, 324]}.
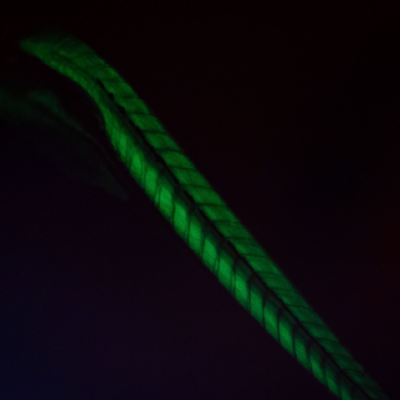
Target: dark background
{"type": "Point", "coordinates": [292, 113]}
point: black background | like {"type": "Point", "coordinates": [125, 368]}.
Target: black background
{"type": "Point", "coordinates": [292, 113]}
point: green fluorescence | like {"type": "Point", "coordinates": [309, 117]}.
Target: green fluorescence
{"type": "Point", "coordinates": [198, 214]}
{"type": "Point", "coordinates": [39, 120]}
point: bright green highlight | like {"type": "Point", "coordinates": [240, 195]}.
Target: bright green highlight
{"type": "Point", "coordinates": [204, 221]}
